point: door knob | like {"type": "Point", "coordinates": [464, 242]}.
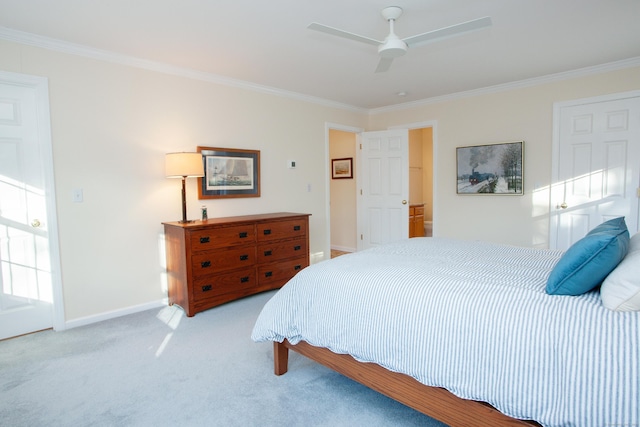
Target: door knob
{"type": "Point", "coordinates": [35, 223]}
{"type": "Point", "coordinates": [404, 202]}
{"type": "Point", "coordinates": [564, 205]}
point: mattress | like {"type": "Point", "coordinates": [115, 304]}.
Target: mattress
{"type": "Point", "coordinates": [472, 317]}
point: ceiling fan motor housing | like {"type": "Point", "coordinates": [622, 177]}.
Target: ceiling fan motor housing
{"type": "Point", "coordinates": [392, 48]}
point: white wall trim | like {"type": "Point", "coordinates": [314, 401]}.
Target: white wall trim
{"type": "Point", "coordinates": [327, 177]}
{"type": "Point", "coordinates": [160, 67]}
{"type": "Point", "coordinates": [587, 71]}
{"type": "Point", "coordinates": [88, 320]}
{"type": "Point", "coordinates": [103, 55]}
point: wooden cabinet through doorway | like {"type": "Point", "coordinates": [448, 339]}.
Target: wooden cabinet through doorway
{"type": "Point", "coordinates": [416, 220]}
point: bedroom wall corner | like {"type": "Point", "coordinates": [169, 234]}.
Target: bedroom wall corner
{"type": "Point", "coordinates": [524, 112]}
{"type": "Point", "coordinates": [112, 125]}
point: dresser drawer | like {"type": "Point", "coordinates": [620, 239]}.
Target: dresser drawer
{"type": "Point", "coordinates": [280, 272]}
{"type": "Point", "coordinates": [281, 250]}
{"type": "Point", "coordinates": [221, 237]}
{"type": "Point", "coordinates": [220, 284]}
{"type": "Point", "coordinates": [205, 263]}
{"type": "Point", "coordinates": [281, 229]}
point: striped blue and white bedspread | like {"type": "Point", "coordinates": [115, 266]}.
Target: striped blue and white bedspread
{"type": "Point", "coordinates": [474, 318]}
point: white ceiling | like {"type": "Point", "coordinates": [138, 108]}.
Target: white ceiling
{"type": "Point", "coordinates": [267, 43]}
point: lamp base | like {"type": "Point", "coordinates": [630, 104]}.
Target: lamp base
{"type": "Point", "coordinates": [186, 221]}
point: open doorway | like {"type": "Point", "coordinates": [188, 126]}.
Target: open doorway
{"type": "Point", "coordinates": [342, 199]}
{"type": "Point", "coordinates": [342, 143]}
{"type": "Point", "coordinates": [421, 182]}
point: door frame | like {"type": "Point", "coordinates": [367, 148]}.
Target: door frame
{"type": "Point", "coordinates": [41, 89]}
{"type": "Point", "coordinates": [327, 179]}
{"type": "Point", "coordinates": [358, 130]}
{"type": "Point", "coordinates": [555, 151]}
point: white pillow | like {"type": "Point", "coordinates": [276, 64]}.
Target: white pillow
{"type": "Point", "coordinates": [620, 291]}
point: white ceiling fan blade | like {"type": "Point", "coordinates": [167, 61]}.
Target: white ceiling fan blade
{"type": "Point", "coordinates": [341, 33]}
{"type": "Point", "coordinates": [453, 30]}
{"type": "Point", "coordinates": [384, 65]}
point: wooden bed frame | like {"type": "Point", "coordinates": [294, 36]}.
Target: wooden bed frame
{"type": "Point", "coordinates": [434, 402]}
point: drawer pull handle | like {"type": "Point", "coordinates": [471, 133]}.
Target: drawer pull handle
{"type": "Point", "coordinates": [244, 257]}
{"type": "Point", "coordinates": [296, 228]}
{"type": "Point", "coordinates": [205, 264]}
{"type": "Point", "coordinates": [266, 232]}
{"type": "Point", "coordinates": [296, 248]}
{"type": "Point", "coordinates": [244, 279]}
{"type": "Point", "coordinates": [206, 288]}
{"type": "Point", "coordinates": [297, 267]}
{"type": "Point", "coordinates": [243, 235]}
{"type": "Point", "coordinates": [267, 253]}
{"type": "Point", "coordinates": [204, 239]}
{"type": "Point", "coordinates": [268, 274]}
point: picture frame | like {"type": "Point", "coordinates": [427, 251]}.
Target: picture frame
{"type": "Point", "coordinates": [490, 169]}
{"type": "Point", "coordinates": [229, 172]}
{"type": "Point", "coordinates": [342, 168]}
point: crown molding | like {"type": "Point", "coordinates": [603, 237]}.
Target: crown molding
{"type": "Point", "coordinates": [587, 71]}
{"type": "Point", "coordinates": [161, 67]}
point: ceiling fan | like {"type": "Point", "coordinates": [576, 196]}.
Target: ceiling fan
{"type": "Point", "coordinates": [393, 46]}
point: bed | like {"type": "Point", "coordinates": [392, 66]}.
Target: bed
{"type": "Point", "coordinates": [463, 331]}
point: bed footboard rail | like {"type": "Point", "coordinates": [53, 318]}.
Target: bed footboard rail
{"type": "Point", "coordinates": [434, 402]}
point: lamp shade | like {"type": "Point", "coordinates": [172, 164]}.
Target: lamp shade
{"type": "Point", "coordinates": [178, 165]}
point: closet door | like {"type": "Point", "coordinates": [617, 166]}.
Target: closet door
{"type": "Point", "coordinates": [596, 166]}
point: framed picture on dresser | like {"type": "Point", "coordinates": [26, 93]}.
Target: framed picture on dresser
{"type": "Point", "coordinates": [229, 172]}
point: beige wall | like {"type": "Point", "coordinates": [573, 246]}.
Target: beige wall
{"type": "Point", "coordinates": [112, 125]}
{"type": "Point", "coordinates": [510, 115]}
{"type": "Point", "coordinates": [343, 194]}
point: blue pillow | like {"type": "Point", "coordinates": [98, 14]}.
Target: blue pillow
{"type": "Point", "coordinates": [613, 225]}
{"type": "Point", "coordinates": [588, 261]}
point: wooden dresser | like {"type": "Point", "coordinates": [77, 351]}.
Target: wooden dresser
{"type": "Point", "coordinates": [222, 259]}
{"type": "Point", "coordinates": [416, 220]}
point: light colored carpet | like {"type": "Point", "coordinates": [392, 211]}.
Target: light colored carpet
{"type": "Point", "coordinates": [159, 368]}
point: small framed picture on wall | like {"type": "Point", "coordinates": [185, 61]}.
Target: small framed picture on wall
{"type": "Point", "coordinates": [342, 168]}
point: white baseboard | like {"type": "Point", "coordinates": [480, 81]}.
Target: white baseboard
{"type": "Point", "coordinates": [83, 321]}
{"type": "Point", "coordinates": [316, 257]}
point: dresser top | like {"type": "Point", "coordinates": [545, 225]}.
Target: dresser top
{"type": "Point", "coordinates": [236, 219]}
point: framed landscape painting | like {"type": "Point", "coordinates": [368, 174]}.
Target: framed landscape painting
{"type": "Point", "coordinates": [491, 169]}
{"type": "Point", "coordinates": [342, 168]}
{"type": "Point", "coordinates": [229, 172]}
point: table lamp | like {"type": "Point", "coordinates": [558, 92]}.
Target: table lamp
{"type": "Point", "coordinates": [184, 165]}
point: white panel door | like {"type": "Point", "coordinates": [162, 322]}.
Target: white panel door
{"type": "Point", "coordinates": [26, 284]}
{"type": "Point", "coordinates": [597, 171]}
{"type": "Point", "coordinates": [383, 209]}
